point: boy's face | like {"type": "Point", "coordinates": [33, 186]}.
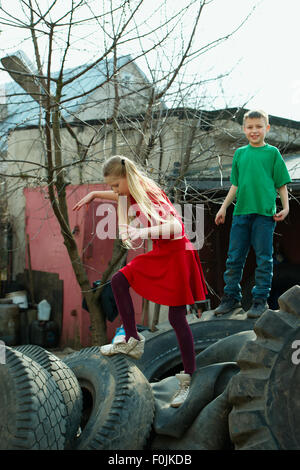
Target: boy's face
{"type": "Point", "coordinates": [255, 130]}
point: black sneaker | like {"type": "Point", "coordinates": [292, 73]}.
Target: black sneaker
{"type": "Point", "coordinates": [258, 307]}
{"type": "Point", "coordinates": [227, 305]}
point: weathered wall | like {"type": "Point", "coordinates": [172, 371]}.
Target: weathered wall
{"type": "Point", "coordinates": [48, 253]}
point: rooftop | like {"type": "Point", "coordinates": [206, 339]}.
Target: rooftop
{"type": "Point", "coordinates": [22, 111]}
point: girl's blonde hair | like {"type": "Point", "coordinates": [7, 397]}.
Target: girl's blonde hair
{"type": "Point", "coordinates": [142, 188]}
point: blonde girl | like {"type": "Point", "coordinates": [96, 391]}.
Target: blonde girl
{"type": "Point", "coordinates": [170, 274]}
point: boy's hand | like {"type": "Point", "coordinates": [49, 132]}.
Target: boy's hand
{"type": "Point", "coordinates": [220, 217]}
{"type": "Point", "coordinates": [281, 215]}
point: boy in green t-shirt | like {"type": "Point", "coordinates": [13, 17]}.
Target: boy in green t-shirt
{"type": "Point", "coordinates": [258, 172]}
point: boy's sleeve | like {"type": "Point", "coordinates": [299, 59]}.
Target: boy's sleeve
{"type": "Point", "coordinates": [234, 177]}
{"type": "Point", "coordinates": [280, 173]}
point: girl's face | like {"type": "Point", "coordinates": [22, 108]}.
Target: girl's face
{"type": "Point", "coordinates": [118, 185]}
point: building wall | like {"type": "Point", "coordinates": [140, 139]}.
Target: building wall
{"type": "Point", "coordinates": [133, 89]}
{"type": "Point", "coordinates": [28, 147]}
{"type": "Point", "coordinates": [31, 213]}
{"type": "Point", "coordinates": [49, 254]}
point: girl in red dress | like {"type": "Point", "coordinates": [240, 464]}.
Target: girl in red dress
{"type": "Point", "coordinates": [170, 274]}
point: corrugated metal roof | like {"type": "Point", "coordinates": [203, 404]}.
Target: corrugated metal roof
{"type": "Point", "coordinates": [24, 111]}
{"type": "Point", "coordinates": [214, 180]}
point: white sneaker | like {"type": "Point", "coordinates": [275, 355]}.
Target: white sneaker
{"type": "Point", "coordinates": [184, 387]}
{"type": "Point", "coordinates": [133, 348]}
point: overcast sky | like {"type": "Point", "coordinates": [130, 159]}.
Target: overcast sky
{"type": "Point", "coordinates": [268, 46]}
{"type": "Point", "coordinates": [264, 54]}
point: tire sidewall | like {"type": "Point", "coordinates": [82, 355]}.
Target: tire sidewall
{"type": "Point", "coordinates": [162, 352]}
{"type": "Point", "coordinates": [118, 396]}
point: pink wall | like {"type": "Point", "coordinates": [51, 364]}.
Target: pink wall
{"type": "Point", "coordinates": [48, 253]}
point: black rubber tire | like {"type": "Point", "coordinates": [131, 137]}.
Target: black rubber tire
{"type": "Point", "coordinates": [265, 393]}
{"type": "Point", "coordinates": [32, 410]}
{"type": "Point", "coordinates": [118, 403]}
{"type": "Point", "coordinates": [162, 355]}
{"type": "Point", "coordinates": [66, 382]}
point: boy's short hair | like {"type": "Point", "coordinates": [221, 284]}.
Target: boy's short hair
{"type": "Point", "coordinates": [256, 113]}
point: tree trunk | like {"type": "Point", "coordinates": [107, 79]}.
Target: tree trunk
{"type": "Point", "coordinates": [59, 204]}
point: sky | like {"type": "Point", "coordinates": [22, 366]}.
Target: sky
{"type": "Point", "coordinates": [269, 67]}
{"type": "Point", "coordinates": [263, 54]}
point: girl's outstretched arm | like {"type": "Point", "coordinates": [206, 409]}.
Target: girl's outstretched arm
{"type": "Point", "coordinates": [110, 195]}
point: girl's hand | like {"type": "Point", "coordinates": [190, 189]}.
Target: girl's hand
{"type": "Point", "coordinates": [127, 231]}
{"type": "Point", "coordinates": [85, 200]}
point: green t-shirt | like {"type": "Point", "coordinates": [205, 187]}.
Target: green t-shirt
{"type": "Point", "coordinates": [257, 172]}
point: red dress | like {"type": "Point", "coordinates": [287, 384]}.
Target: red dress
{"type": "Point", "coordinates": [169, 274]}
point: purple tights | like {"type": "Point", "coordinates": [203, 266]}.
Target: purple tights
{"type": "Point", "coordinates": [177, 319]}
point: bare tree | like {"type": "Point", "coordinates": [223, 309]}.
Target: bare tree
{"type": "Point", "coordinates": [55, 30]}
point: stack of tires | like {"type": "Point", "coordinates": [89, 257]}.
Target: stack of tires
{"type": "Point", "coordinates": [87, 401]}
{"type": "Point", "coordinates": [264, 395]}
{"type": "Point", "coordinates": [90, 401]}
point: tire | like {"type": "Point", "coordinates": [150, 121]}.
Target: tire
{"type": "Point", "coordinates": [66, 382]}
{"type": "Point", "coordinates": [162, 355]}
{"type": "Point", "coordinates": [265, 393]}
{"type": "Point", "coordinates": [118, 404]}
{"type": "Point", "coordinates": [32, 411]}
{"type": "Point", "coordinates": [208, 431]}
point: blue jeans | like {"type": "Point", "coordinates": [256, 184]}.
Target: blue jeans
{"type": "Point", "coordinates": [246, 230]}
